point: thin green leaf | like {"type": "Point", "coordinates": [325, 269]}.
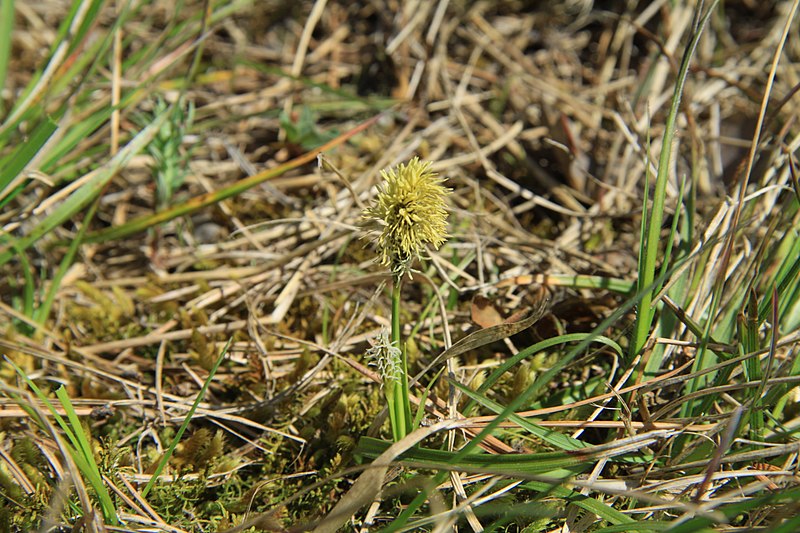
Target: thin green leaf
{"type": "Point", "coordinates": [168, 453]}
{"type": "Point", "coordinates": [599, 508]}
{"type": "Point", "coordinates": [649, 525]}
{"type": "Point", "coordinates": [89, 469]}
{"type": "Point", "coordinates": [559, 440]}
{"type": "Point", "coordinates": [46, 401]}
{"type": "Point", "coordinates": [22, 155]}
{"type": "Point", "coordinates": [561, 464]}
{"type": "Point", "coordinates": [647, 264]}
{"type": "Point", "coordinates": [6, 30]}
{"type": "Point", "coordinates": [539, 347]}
{"type": "Point", "coordinates": [43, 311]}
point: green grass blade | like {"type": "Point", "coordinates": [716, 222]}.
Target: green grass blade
{"type": "Point", "coordinates": [89, 20]}
{"type": "Point", "coordinates": [647, 264]}
{"type": "Point", "coordinates": [421, 408]}
{"type": "Point", "coordinates": [78, 446]}
{"type": "Point", "coordinates": [45, 401]}
{"type": "Point", "coordinates": [6, 27]}
{"type": "Point", "coordinates": [787, 277]}
{"type": "Point", "coordinates": [563, 463]}
{"type": "Point", "coordinates": [84, 451]}
{"type": "Point", "coordinates": [748, 324]}
{"type": "Point", "coordinates": [29, 288]}
{"type": "Point", "coordinates": [539, 347]}
{"type": "Point", "coordinates": [559, 440]}
{"type": "Point", "coordinates": [599, 508]}
{"type": "Point", "coordinates": [650, 525]}
{"type": "Point", "coordinates": [82, 444]}
{"type": "Point", "coordinates": [22, 155]}
{"type": "Point", "coordinates": [167, 454]}
{"type": "Point", "coordinates": [397, 389]}
{"type": "Point", "coordinates": [640, 285]}
{"type": "Point", "coordinates": [43, 311]}
{"type": "Point", "coordinates": [667, 321]}
{"type": "Point", "coordinates": [757, 422]}
{"type": "Point", "coordinates": [77, 133]}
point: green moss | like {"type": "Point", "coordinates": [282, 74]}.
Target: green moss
{"type": "Point", "coordinates": [103, 314]}
{"type": "Point", "coordinates": [199, 452]}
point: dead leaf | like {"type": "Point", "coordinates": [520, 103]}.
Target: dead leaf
{"type": "Point", "coordinates": [485, 336]}
{"type": "Point", "coordinates": [484, 313]}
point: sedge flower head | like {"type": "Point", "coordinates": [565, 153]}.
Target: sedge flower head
{"type": "Point", "coordinates": [386, 356]}
{"type": "Point", "coordinates": [409, 212]}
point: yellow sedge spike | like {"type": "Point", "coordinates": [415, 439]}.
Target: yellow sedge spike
{"type": "Point", "coordinates": [409, 212]}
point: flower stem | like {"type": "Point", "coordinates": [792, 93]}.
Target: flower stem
{"type": "Point", "coordinates": [396, 311]}
{"type": "Point", "coordinates": [399, 407]}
